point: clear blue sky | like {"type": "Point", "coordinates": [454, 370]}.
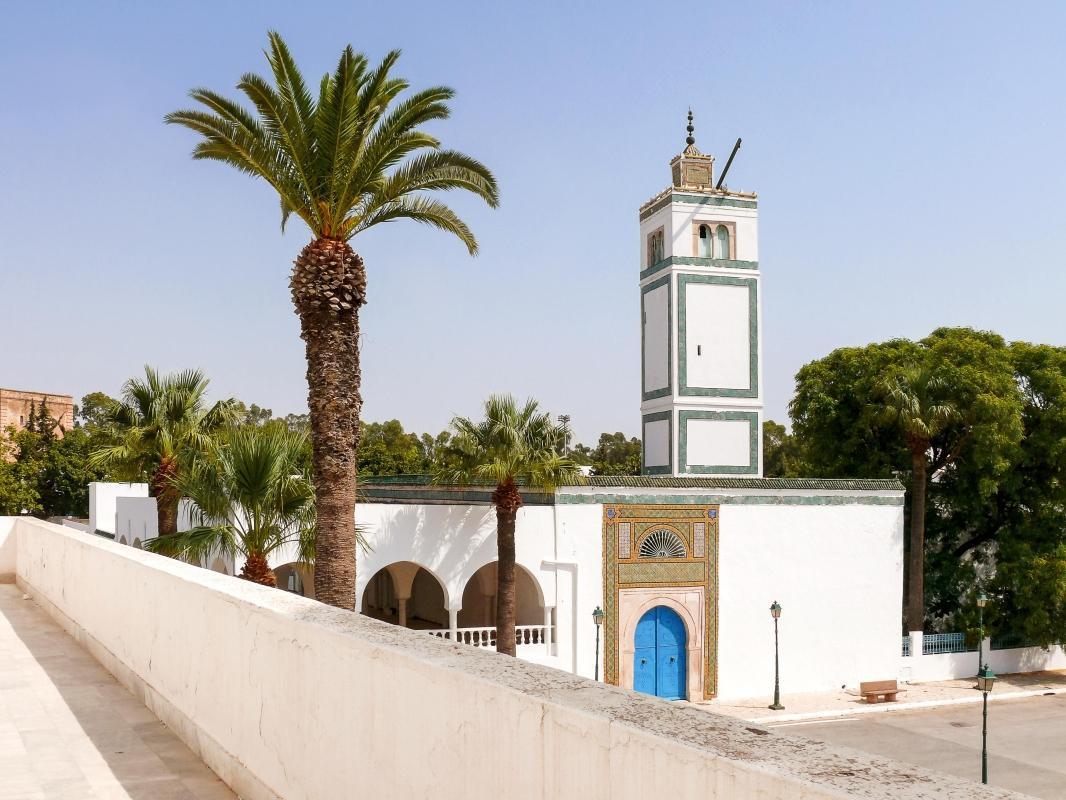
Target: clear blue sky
{"type": "Point", "coordinates": [909, 159]}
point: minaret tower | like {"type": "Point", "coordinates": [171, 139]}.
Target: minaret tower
{"type": "Point", "coordinates": [701, 393]}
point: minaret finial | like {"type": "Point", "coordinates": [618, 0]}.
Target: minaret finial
{"type": "Point", "coordinates": [690, 139]}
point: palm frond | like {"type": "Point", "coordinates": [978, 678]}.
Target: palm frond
{"type": "Point", "coordinates": [353, 156]}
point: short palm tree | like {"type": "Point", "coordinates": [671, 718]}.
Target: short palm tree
{"type": "Point", "coordinates": [251, 499]}
{"type": "Point", "coordinates": [512, 446]}
{"type": "Point", "coordinates": [161, 423]}
{"type": "Point", "coordinates": [351, 158]}
{"type": "Point", "coordinates": [913, 401]}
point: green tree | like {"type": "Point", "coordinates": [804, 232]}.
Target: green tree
{"type": "Point", "coordinates": [18, 477]}
{"type": "Point", "coordinates": [1014, 535]}
{"type": "Point", "coordinates": [614, 454]}
{"type": "Point", "coordinates": [351, 158]}
{"type": "Point", "coordinates": [251, 498]}
{"type": "Point", "coordinates": [512, 446]}
{"type": "Point", "coordinates": [93, 411]}
{"type": "Point", "coordinates": [161, 424]}
{"type": "Point", "coordinates": [386, 449]}
{"type": "Point", "coordinates": [782, 456]}
{"type": "Point", "coordinates": [251, 415]}
{"type": "Point", "coordinates": [860, 412]}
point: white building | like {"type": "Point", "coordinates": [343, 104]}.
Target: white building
{"type": "Point", "coordinates": [684, 560]}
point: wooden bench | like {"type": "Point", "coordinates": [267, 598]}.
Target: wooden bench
{"type": "Point", "coordinates": [878, 691]}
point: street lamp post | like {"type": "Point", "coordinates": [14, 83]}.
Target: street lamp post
{"type": "Point", "coordinates": [982, 601]}
{"type": "Point", "coordinates": [597, 619]}
{"type": "Point", "coordinates": [985, 679]}
{"type": "Point", "coordinates": [775, 612]}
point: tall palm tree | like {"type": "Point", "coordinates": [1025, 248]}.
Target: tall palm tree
{"type": "Point", "coordinates": [914, 400]}
{"type": "Point", "coordinates": [158, 426]}
{"type": "Point", "coordinates": [511, 446]}
{"type": "Point", "coordinates": [350, 159]}
{"type": "Point", "coordinates": [250, 499]}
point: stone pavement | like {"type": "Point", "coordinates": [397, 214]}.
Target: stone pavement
{"type": "Point", "coordinates": [917, 696]}
{"type": "Point", "coordinates": [68, 729]}
{"type": "Point", "coordinates": [1026, 740]}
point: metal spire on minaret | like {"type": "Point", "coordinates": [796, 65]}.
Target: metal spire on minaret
{"type": "Point", "coordinates": [690, 139]}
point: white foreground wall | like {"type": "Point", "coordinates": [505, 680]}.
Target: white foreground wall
{"type": "Point", "coordinates": [287, 698]}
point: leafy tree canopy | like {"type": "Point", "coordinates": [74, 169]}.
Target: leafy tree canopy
{"type": "Point", "coordinates": [614, 454]}
{"type": "Point", "coordinates": [997, 472]}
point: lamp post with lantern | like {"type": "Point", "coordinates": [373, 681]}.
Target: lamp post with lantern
{"type": "Point", "coordinates": [985, 679]}
{"type": "Point", "coordinates": [775, 612]}
{"type": "Point", "coordinates": [597, 620]}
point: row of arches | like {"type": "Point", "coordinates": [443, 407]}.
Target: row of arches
{"type": "Point", "coordinates": [405, 593]}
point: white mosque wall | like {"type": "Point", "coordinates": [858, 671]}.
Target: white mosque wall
{"type": "Point", "coordinates": [837, 571]}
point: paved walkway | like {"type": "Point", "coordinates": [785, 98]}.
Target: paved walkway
{"type": "Point", "coordinates": [1026, 741]}
{"type": "Point", "coordinates": [68, 730]}
{"type": "Point", "coordinates": [916, 696]}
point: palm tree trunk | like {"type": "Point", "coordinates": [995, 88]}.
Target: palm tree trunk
{"type": "Point", "coordinates": [166, 497]}
{"type": "Point", "coordinates": [916, 557]}
{"type": "Point", "coordinates": [328, 287]}
{"type": "Point", "coordinates": [257, 570]}
{"type": "Point", "coordinates": [508, 500]}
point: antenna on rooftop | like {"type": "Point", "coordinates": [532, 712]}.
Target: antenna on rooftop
{"type": "Point", "coordinates": [728, 164]}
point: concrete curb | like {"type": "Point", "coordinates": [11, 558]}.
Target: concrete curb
{"type": "Point", "coordinates": [879, 708]}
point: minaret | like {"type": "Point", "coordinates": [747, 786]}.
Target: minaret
{"type": "Point", "coordinates": [701, 402]}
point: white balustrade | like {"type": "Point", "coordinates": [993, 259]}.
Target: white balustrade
{"type": "Point", "coordinates": [486, 637]}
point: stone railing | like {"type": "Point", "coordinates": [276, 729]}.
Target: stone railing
{"type": "Point", "coordinates": [286, 698]}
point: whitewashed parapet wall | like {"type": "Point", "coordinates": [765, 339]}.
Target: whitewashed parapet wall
{"type": "Point", "coordinates": [287, 698]}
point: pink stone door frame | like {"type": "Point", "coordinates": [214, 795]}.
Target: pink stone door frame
{"type": "Point", "coordinates": [690, 604]}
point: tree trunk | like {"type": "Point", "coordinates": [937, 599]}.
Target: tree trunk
{"type": "Point", "coordinates": [257, 570]}
{"type": "Point", "coordinates": [916, 557]}
{"type": "Point", "coordinates": [328, 287]}
{"type": "Point", "coordinates": [166, 496]}
{"type": "Point", "coordinates": [508, 500]}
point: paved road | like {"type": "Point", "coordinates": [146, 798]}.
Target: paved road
{"type": "Point", "coordinates": [1026, 741]}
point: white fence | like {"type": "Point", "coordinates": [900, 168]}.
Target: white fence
{"type": "Point", "coordinates": [924, 661]}
{"type": "Point", "coordinates": [525, 636]}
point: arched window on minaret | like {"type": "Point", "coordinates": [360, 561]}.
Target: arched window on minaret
{"type": "Point", "coordinates": [706, 242]}
{"type": "Point", "coordinates": [723, 242]}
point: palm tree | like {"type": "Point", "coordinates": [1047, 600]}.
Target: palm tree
{"type": "Point", "coordinates": [914, 401]}
{"type": "Point", "coordinates": [350, 159]}
{"type": "Point", "coordinates": [160, 423]}
{"type": "Point", "coordinates": [509, 447]}
{"type": "Point", "coordinates": [250, 499]}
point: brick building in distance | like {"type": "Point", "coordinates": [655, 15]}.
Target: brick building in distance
{"type": "Point", "coordinates": [15, 408]}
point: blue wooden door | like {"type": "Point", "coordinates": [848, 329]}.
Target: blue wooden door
{"type": "Point", "coordinates": [659, 654]}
